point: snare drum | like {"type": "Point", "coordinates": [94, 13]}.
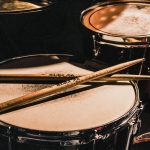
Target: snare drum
{"type": "Point", "coordinates": [101, 115]}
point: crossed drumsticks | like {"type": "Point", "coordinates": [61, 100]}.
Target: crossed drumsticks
{"type": "Point", "coordinates": [72, 81]}
{"type": "Point", "coordinates": [40, 95]}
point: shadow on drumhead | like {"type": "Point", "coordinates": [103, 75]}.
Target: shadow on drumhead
{"type": "Point", "coordinates": [40, 60]}
{"type": "Point", "coordinates": [82, 88]}
{"type": "Point", "coordinates": [34, 60]}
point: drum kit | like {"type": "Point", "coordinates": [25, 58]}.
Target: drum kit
{"type": "Point", "coordinates": [90, 111]}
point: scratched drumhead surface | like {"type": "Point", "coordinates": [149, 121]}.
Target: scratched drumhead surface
{"type": "Point", "coordinates": [83, 107]}
{"type": "Point", "coordinates": [122, 19]}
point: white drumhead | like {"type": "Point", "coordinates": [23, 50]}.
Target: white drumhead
{"type": "Point", "coordinates": [120, 19]}
{"type": "Point", "coordinates": [85, 107]}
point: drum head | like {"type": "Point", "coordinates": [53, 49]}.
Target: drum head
{"type": "Point", "coordinates": [83, 107]}
{"type": "Point", "coordinates": [127, 19]}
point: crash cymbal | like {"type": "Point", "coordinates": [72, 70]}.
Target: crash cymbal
{"type": "Point", "coordinates": [17, 6]}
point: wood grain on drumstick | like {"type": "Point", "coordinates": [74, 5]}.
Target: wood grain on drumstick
{"type": "Point", "coordinates": [128, 77]}
{"type": "Point", "coordinates": [46, 78]}
{"type": "Point", "coordinates": [42, 94]}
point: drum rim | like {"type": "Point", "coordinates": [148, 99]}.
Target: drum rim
{"type": "Point", "coordinates": [103, 4]}
{"type": "Point", "coordinates": [32, 55]}
{"type": "Point", "coordinates": [125, 43]}
{"type": "Point", "coordinates": [71, 134]}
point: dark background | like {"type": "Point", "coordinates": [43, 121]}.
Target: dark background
{"type": "Point", "coordinates": [58, 29]}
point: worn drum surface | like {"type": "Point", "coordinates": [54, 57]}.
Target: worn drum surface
{"type": "Point", "coordinates": [71, 119]}
{"type": "Point", "coordinates": [119, 22]}
{"type": "Point", "coordinates": [121, 31]}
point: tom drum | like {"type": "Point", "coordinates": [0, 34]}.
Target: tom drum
{"type": "Point", "coordinates": [121, 30]}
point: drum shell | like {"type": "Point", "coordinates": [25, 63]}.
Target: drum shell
{"type": "Point", "coordinates": [112, 54]}
{"type": "Point", "coordinates": [21, 141]}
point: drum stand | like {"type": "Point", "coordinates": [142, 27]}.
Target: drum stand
{"type": "Point", "coordinates": [144, 56]}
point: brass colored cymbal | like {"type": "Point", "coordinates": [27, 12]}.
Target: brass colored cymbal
{"type": "Point", "coordinates": [17, 6]}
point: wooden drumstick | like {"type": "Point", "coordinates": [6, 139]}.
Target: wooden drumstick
{"type": "Point", "coordinates": [142, 138]}
{"type": "Point", "coordinates": [45, 78]}
{"type": "Point", "coordinates": [45, 93]}
{"type": "Point", "coordinates": [36, 77]}
{"type": "Point", "coordinates": [128, 77]}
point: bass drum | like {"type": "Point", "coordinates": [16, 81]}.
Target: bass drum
{"type": "Point", "coordinates": [91, 116]}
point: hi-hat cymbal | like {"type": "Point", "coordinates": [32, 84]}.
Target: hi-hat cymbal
{"type": "Point", "coordinates": [17, 6]}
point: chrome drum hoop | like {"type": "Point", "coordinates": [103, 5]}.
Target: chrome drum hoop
{"type": "Point", "coordinates": [124, 42]}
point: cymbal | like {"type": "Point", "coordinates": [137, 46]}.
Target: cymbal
{"type": "Point", "coordinates": [18, 6]}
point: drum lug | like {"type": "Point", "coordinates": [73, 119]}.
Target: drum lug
{"type": "Point", "coordinates": [96, 50]}
{"type": "Point", "coordinates": [70, 143]}
{"type": "Point", "coordinates": [141, 107]}
{"type": "Point", "coordinates": [135, 124]}
{"type": "Point", "coordinates": [133, 128]}
{"type": "Point", "coordinates": [9, 138]}
{"type": "Point", "coordinates": [99, 136]}
{"type": "Point", "coordinates": [137, 119]}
